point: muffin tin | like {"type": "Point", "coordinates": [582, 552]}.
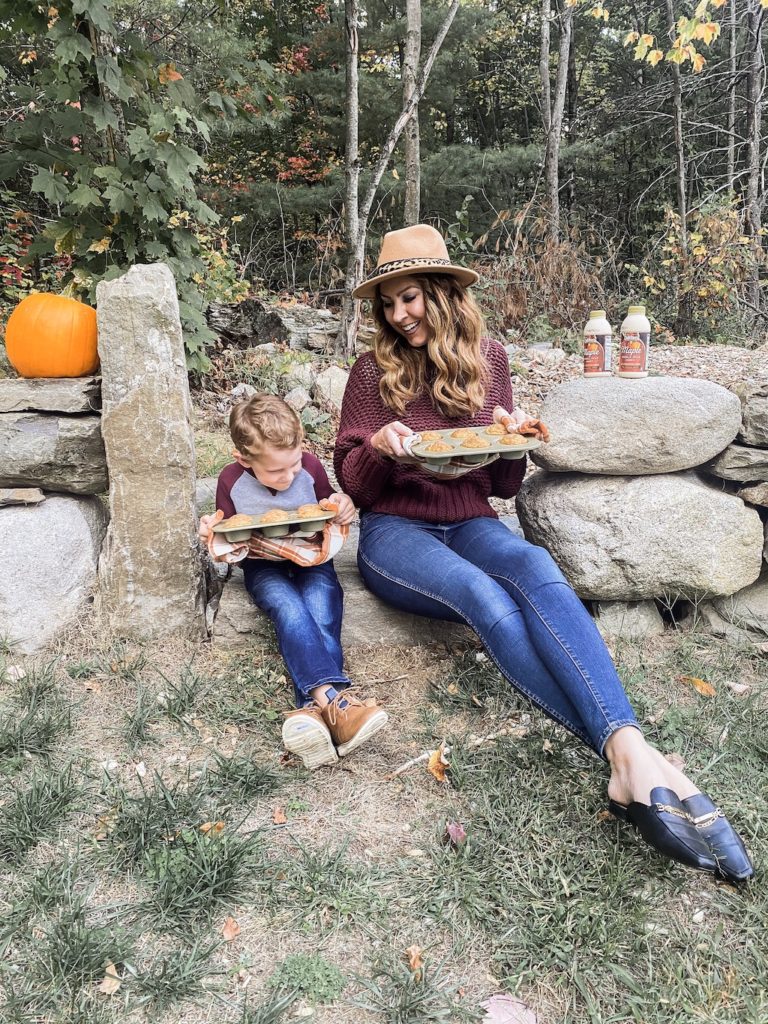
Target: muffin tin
{"type": "Point", "coordinates": [280, 528]}
{"type": "Point", "coordinates": [472, 455]}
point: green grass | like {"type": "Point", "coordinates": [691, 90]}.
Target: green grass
{"type": "Point", "coordinates": [172, 977]}
{"type": "Point", "coordinates": [239, 776]}
{"type": "Point", "coordinates": [194, 874]}
{"type": "Point", "coordinates": [136, 725]}
{"type": "Point", "coordinates": [399, 995]}
{"type": "Point", "coordinates": [310, 976]}
{"type": "Point", "coordinates": [34, 813]}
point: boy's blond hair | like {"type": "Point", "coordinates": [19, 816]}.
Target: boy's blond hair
{"type": "Point", "coordinates": [263, 420]}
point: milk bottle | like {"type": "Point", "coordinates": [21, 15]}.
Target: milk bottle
{"type": "Point", "coordinates": [597, 345]}
{"type": "Point", "coordinates": [635, 339]}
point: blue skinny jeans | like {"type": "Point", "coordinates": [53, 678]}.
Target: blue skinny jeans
{"type": "Point", "coordinates": [305, 606]}
{"type": "Point", "coordinates": [512, 594]}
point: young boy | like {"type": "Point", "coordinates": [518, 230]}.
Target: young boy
{"type": "Point", "coordinates": [304, 602]}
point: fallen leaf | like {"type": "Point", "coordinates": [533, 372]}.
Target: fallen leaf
{"type": "Point", "coordinates": [230, 929]}
{"type": "Point", "coordinates": [455, 833]}
{"type": "Point", "coordinates": [604, 815]}
{"type": "Point", "coordinates": [452, 688]}
{"type": "Point", "coordinates": [415, 960]}
{"type": "Point", "coordinates": [675, 760]}
{"type": "Point", "coordinates": [546, 746]}
{"type": "Point", "coordinates": [212, 827]}
{"type": "Point", "coordinates": [112, 980]}
{"type": "Point", "coordinates": [700, 685]}
{"type": "Point", "coordinates": [168, 73]}
{"type": "Point", "coordinates": [438, 763]}
{"type": "Point", "coordinates": [507, 1010]}
{"type": "Point", "coordinates": [738, 688]}
{"type": "Point", "coordinates": [278, 816]}
{"type": "Point", "coordinates": [141, 769]}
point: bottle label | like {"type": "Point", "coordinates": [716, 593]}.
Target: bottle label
{"type": "Point", "coordinates": [597, 353]}
{"type": "Point", "coordinates": [633, 353]}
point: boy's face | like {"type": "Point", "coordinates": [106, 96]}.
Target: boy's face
{"type": "Point", "coordinates": [274, 467]}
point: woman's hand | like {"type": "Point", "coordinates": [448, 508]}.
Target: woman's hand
{"type": "Point", "coordinates": [519, 422]}
{"type": "Point", "coordinates": [389, 441]}
{"type": "Point", "coordinates": [345, 506]}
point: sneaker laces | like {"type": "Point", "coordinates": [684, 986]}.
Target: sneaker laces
{"type": "Point", "coordinates": [333, 709]}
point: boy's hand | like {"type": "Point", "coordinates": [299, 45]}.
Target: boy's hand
{"type": "Point", "coordinates": [344, 504]}
{"type": "Point", "coordinates": [207, 522]}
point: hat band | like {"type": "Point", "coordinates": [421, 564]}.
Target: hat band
{"type": "Point", "coordinates": [405, 264]}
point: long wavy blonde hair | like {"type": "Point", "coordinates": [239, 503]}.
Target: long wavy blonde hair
{"type": "Point", "coordinates": [451, 363]}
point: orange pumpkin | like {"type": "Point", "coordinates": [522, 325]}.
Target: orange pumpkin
{"type": "Point", "coordinates": [52, 336]}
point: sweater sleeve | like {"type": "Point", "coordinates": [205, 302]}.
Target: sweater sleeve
{"type": "Point", "coordinates": [316, 470]}
{"type": "Point", "coordinates": [506, 474]}
{"type": "Point", "coordinates": [360, 469]}
{"type": "Point", "coordinates": [224, 486]}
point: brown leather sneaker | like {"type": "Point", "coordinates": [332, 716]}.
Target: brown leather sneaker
{"type": "Point", "coordinates": [306, 735]}
{"type": "Point", "coordinates": [354, 724]}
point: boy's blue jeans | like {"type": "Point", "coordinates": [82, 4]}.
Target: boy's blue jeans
{"type": "Point", "coordinates": [305, 605]}
{"type": "Point", "coordinates": [518, 602]}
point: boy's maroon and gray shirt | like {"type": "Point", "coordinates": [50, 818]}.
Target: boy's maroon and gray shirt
{"type": "Point", "coordinates": [379, 484]}
{"type": "Point", "coordinates": [238, 490]}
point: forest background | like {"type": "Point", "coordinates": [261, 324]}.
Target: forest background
{"type": "Point", "coordinates": [582, 154]}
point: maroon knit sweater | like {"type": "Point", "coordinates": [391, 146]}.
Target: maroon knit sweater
{"type": "Point", "coordinates": [379, 484]}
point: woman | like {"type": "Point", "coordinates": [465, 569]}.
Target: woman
{"type": "Point", "coordinates": [432, 545]}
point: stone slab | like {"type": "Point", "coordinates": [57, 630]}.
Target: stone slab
{"type": "Point", "coordinates": [51, 394]}
{"type": "Point", "coordinates": [740, 463]}
{"type": "Point", "coordinates": [631, 620]}
{"type": "Point", "coordinates": [52, 451]}
{"type": "Point", "coordinates": [21, 496]}
{"type": "Point", "coordinates": [616, 427]}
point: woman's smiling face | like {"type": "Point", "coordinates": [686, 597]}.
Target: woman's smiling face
{"type": "Point", "coordinates": [402, 300]}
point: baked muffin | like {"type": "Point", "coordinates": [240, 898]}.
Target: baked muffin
{"type": "Point", "coordinates": [431, 435]}
{"type": "Point", "coordinates": [464, 432]}
{"type": "Point", "coordinates": [474, 442]}
{"type": "Point", "coordinates": [275, 515]}
{"type": "Point", "coordinates": [310, 511]}
{"type": "Point", "coordinates": [512, 439]}
{"type": "Point", "coordinates": [237, 522]}
{"type": "Point", "coordinates": [439, 446]}
{"type": "Point", "coordinates": [496, 430]}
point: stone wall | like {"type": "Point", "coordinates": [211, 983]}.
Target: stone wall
{"type": "Point", "coordinates": [52, 462]}
{"type": "Point", "coordinates": [630, 500]}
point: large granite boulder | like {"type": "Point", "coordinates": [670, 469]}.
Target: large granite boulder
{"type": "Point", "coordinates": [49, 554]}
{"type": "Point", "coordinates": [637, 538]}
{"type": "Point", "coordinates": [51, 394]}
{"type": "Point", "coordinates": [754, 427]}
{"type": "Point", "coordinates": [331, 384]}
{"type": "Point", "coordinates": [613, 426]}
{"type": "Point", "coordinates": [55, 452]}
{"type": "Point", "coordinates": [748, 609]}
{"type": "Point", "coordinates": [150, 572]}
{"type": "Point", "coordinates": [737, 462]}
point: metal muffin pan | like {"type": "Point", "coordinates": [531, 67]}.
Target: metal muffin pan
{"type": "Point", "coordinates": [280, 528]}
{"type": "Point", "coordinates": [469, 456]}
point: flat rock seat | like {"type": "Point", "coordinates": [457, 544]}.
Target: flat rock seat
{"type": "Point", "coordinates": [367, 620]}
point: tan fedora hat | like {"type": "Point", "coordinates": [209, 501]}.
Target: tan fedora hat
{"type": "Point", "coordinates": [419, 249]}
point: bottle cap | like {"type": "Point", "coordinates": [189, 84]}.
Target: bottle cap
{"type": "Point", "coordinates": [636, 309]}
{"type": "Point", "coordinates": [596, 314]}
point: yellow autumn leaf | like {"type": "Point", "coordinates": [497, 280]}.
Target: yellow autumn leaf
{"type": "Point", "coordinates": [707, 31]}
{"type": "Point", "coordinates": [631, 37]}
{"type": "Point", "coordinates": [647, 39]}
{"type": "Point", "coordinates": [700, 685]}
{"type": "Point", "coordinates": [698, 63]}
{"type": "Point", "coordinates": [438, 763]}
{"type": "Point", "coordinates": [230, 929]}
{"type": "Point", "coordinates": [167, 73]}
{"type": "Point", "coordinates": [212, 828]}
{"type": "Point", "coordinates": [395, 175]}
{"type": "Point", "coordinates": [654, 57]}
{"type": "Point", "coordinates": [415, 960]}
{"type": "Point", "coordinates": [112, 980]}
{"type": "Point", "coordinates": [278, 816]}
{"type": "Point", "coordinates": [101, 246]}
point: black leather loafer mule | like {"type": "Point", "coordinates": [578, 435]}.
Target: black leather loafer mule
{"type": "Point", "coordinates": [666, 826]}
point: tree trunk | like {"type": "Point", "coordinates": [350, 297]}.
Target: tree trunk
{"type": "Point", "coordinates": [412, 147]}
{"type": "Point", "coordinates": [544, 46]}
{"type": "Point", "coordinates": [730, 171]}
{"type": "Point", "coordinates": [755, 93]}
{"type": "Point", "coordinates": [683, 319]}
{"type": "Point", "coordinates": [554, 133]}
{"type": "Point", "coordinates": [357, 224]}
{"type": "Point", "coordinates": [350, 311]}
